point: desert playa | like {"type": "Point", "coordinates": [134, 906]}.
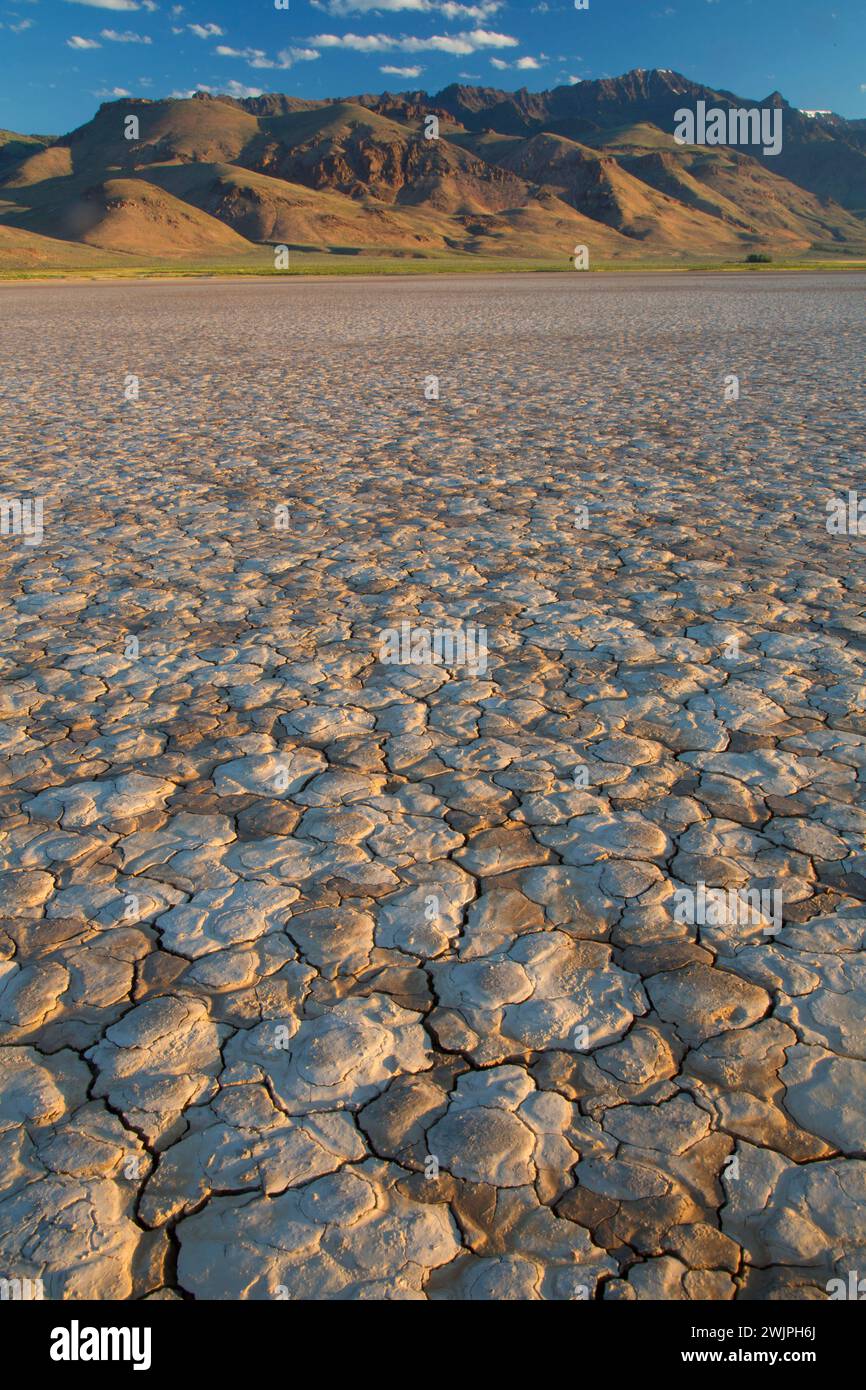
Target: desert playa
{"type": "Point", "coordinates": [327, 972]}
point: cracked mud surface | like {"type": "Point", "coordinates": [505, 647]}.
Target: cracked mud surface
{"type": "Point", "coordinates": [329, 978]}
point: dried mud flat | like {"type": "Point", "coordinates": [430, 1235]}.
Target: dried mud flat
{"type": "Point", "coordinates": [329, 977]}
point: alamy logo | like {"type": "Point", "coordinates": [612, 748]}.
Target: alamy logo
{"type": "Point", "coordinates": [19, 518]}
{"type": "Point", "coordinates": [719, 907]}
{"type": "Point", "coordinates": [76, 1343]}
{"type": "Point", "coordinates": [21, 1290]}
{"type": "Point", "coordinates": [846, 516]}
{"type": "Point", "coordinates": [854, 1289]}
{"type": "Point", "coordinates": [439, 646]}
{"type": "Point", "coordinates": [754, 125]}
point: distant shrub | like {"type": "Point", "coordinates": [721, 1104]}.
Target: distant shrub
{"type": "Point", "coordinates": [759, 258]}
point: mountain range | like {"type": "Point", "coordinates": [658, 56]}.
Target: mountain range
{"type": "Point", "coordinates": [511, 174]}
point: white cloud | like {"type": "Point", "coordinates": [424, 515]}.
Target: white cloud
{"type": "Point", "coordinates": [206, 31]}
{"type": "Point", "coordinates": [257, 58]}
{"type": "Point", "coordinates": [225, 51]}
{"type": "Point", "coordinates": [401, 72]}
{"type": "Point", "coordinates": [114, 92]}
{"type": "Point", "coordinates": [126, 37]}
{"type": "Point", "coordinates": [78, 42]}
{"type": "Point", "coordinates": [488, 38]}
{"type": "Point", "coordinates": [232, 88]}
{"type": "Point", "coordinates": [447, 9]}
{"type": "Point", "coordinates": [467, 42]}
{"type": "Point", "coordinates": [288, 56]}
{"type": "Point", "coordinates": [369, 43]}
{"type": "Point", "coordinates": [522, 64]}
{"type": "Point", "coordinates": [237, 89]}
{"type": "Point", "coordinates": [107, 4]}
{"type": "Point", "coordinates": [341, 8]}
{"type": "Point", "coordinates": [481, 11]}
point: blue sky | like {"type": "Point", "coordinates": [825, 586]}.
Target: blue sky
{"type": "Point", "coordinates": [60, 58]}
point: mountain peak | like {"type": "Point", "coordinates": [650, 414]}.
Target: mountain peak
{"type": "Point", "coordinates": [517, 173]}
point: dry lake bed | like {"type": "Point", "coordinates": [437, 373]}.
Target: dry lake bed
{"type": "Point", "coordinates": [434, 731]}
